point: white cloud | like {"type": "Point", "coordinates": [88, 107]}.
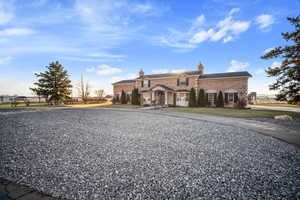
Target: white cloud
{"type": "Point", "coordinates": [142, 8]}
{"type": "Point", "coordinates": [16, 31]}
{"type": "Point", "coordinates": [104, 70]}
{"type": "Point", "coordinates": [80, 59]}
{"type": "Point", "coordinates": [6, 12]}
{"type": "Point", "coordinates": [162, 71]}
{"type": "Point", "coordinates": [227, 39]}
{"type": "Point", "coordinates": [233, 11]}
{"type": "Point", "coordinates": [225, 30]}
{"type": "Point", "coordinates": [200, 20]}
{"type": "Point", "coordinates": [264, 21]}
{"type": "Point", "coordinates": [237, 66]}
{"type": "Point", "coordinates": [5, 60]}
{"type": "Point", "coordinates": [259, 71]}
{"type": "Point", "coordinates": [107, 55]}
{"type": "Point", "coordinates": [202, 36]}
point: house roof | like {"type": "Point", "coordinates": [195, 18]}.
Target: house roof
{"type": "Point", "coordinates": [124, 81]}
{"type": "Point", "coordinates": [171, 74]}
{"type": "Point", "coordinates": [225, 75]}
{"type": "Point", "coordinates": [201, 76]}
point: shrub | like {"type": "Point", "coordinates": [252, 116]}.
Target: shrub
{"type": "Point", "coordinates": [27, 103]}
{"type": "Point", "coordinates": [135, 97]}
{"type": "Point", "coordinates": [220, 101]}
{"type": "Point", "coordinates": [13, 104]}
{"type": "Point", "coordinates": [241, 103]}
{"type": "Point", "coordinates": [201, 98]}
{"type": "Point", "coordinates": [192, 99]}
{"type": "Point", "coordinates": [123, 97]}
{"type": "Point", "coordinates": [117, 99]}
{"type": "Point", "coordinates": [114, 100]}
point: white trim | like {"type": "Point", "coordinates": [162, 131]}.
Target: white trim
{"type": "Point", "coordinates": [211, 91]}
{"type": "Point", "coordinates": [231, 91]}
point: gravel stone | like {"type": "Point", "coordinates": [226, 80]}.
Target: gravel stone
{"type": "Point", "coordinates": [111, 154]}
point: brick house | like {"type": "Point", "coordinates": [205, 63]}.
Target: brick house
{"type": "Point", "coordinates": [173, 88]}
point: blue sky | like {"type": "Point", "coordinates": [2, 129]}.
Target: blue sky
{"type": "Point", "coordinates": [110, 40]}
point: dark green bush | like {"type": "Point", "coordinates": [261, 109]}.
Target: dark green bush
{"type": "Point", "coordinates": [220, 101]}
{"type": "Point", "coordinates": [192, 99]}
{"type": "Point", "coordinates": [201, 98]}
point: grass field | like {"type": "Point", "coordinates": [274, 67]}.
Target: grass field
{"type": "Point", "coordinates": [228, 112]}
{"type": "Point", "coordinates": [277, 104]}
{"type": "Point", "coordinates": [23, 105]}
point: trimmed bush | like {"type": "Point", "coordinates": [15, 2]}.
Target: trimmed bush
{"type": "Point", "coordinates": [220, 101]}
{"type": "Point", "coordinates": [201, 98]}
{"type": "Point", "coordinates": [135, 97]}
{"type": "Point", "coordinates": [192, 99]}
{"type": "Point", "coordinates": [123, 97]}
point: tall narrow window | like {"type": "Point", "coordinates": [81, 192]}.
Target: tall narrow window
{"type": "Point", "coordinates": [146, 83]}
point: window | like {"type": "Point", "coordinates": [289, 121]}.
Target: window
{"type": "Point", "coordinates": [182, 81]}
{"type": "Point", "coordinates": [146, 83]}
{"type": "Point", "coordinates": [231, 97]}
{"type": "Point", "coordinates": [211, 98]}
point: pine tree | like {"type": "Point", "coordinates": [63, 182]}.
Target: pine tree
{"type": "Point", "coordinates": [288, 72]}
{"type": "Point", "coordinates": [201, 98]}
{"type": "Point", "coordinates": [53, 84]}
{"type": "Point", "coordinates": [220, 101]}
{"type": "Point", "coordinates": [123, 97]}
{"type": "Point", "coordinates": [192, 99]}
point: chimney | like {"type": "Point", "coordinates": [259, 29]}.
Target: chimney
{"type": "Point", "coordinates": [141, 73]}
{"type": "Point", "coordinates": [201, 68]}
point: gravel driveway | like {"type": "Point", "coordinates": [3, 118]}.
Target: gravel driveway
{"type": "Point", "coordinates": [111, 154]}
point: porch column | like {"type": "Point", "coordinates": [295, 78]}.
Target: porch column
{"type": "Point", "coordinates": [166, 98]}
{"type": "Point", "coordinates": [153, 96]}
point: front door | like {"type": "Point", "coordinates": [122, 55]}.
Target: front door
{"type": "Point", "coordinates": [160, 97]}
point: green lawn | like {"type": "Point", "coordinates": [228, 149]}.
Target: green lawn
{"type": "Point", "coordinates": [120, 106]}
{"type": "Point", "coordinates": [229, 112]}
{"type": "Point", "coordinates": [277, 104]}
{"type": "Point", "coordinates": [22, 105]}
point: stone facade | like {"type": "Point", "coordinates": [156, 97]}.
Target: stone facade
{"type": "Point", "coordinates": [173, 88]}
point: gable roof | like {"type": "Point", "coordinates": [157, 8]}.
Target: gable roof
{"type": "Point", "coordinates": [124, 81]}
{"type": "Point", "coordinates": [171, 74]}
{"type": "Point", "coordinates": [162, 86]}
{"type": "Point", "coordinates": [226, 75]}
{"type": "Point", "coordinates": [196, 73]}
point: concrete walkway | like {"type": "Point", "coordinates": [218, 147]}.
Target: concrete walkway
{"type": "Point", "coordinates": [13, 191]}
{"type": "Point", "coordinates": [279, 108]}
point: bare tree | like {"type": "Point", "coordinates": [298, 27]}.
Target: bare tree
{"type": "Point", "coordinates": [83, 89]}
{"type": "Point", "coordinates": [100, 93]}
